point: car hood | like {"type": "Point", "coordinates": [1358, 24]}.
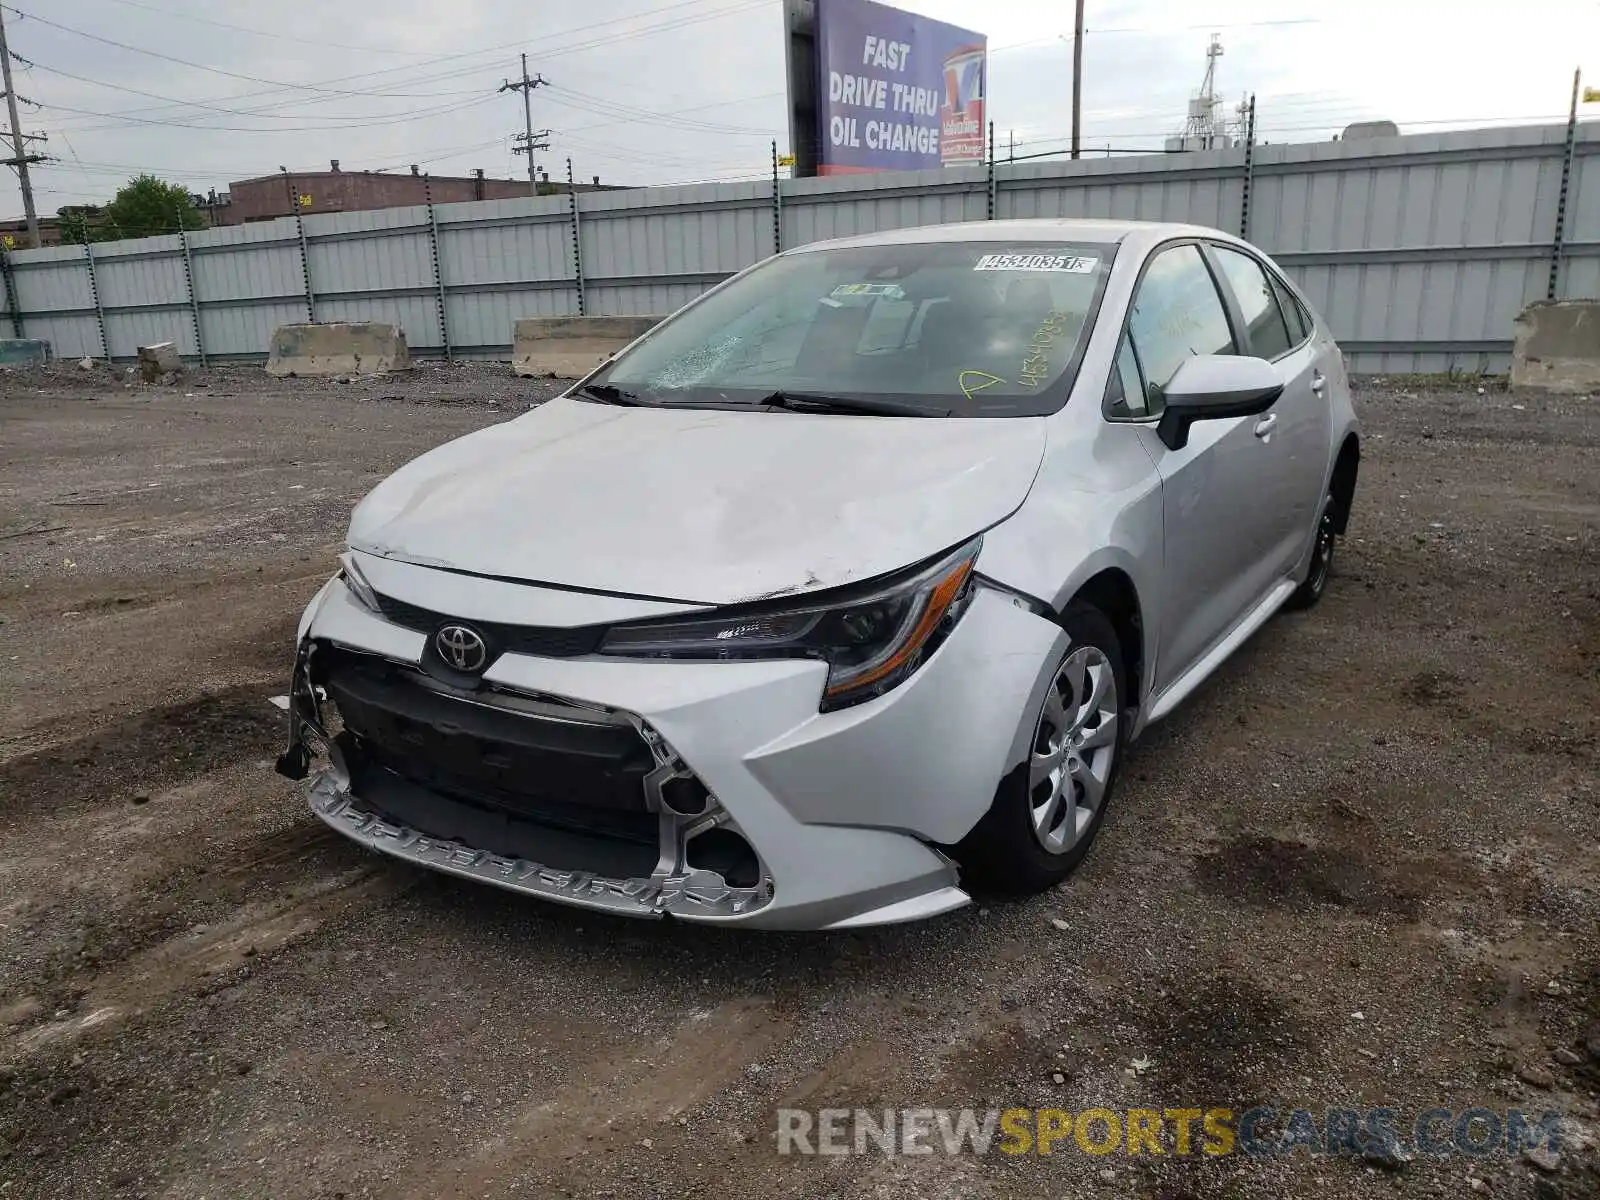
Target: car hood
{"type": "Point", "coordinates": [701, 506]}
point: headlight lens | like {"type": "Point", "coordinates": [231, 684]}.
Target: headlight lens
{"type": "Point", "coordinates": [870, 642]}
{"type": "Point", "coordinates": [357, 583]}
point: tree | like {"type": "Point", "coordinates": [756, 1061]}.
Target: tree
{"type": "Point", "coordinates": [79, 223]}
{"type": "Point", "coordinates": [143, 207]}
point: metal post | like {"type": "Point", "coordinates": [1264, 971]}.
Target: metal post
{"type": "Point", "coordinates": [990, 165]}
{"type": "Point", "coordinates": [94, 294]}
{"type": "Point", "coordinates": [527, 124]}
{"type": "Point", "coordinates": [577, 241]}
{"type": "Point", "coordinates": [777, 205]}
{"type": "Point", "coordinates": [194, 301]}
{"type": "Point", "coordinates": [1249, 168]}
{"type": "Point", "coordinates": [438, 273]}
{"type": "Point", "coordinates": [13, 305]}
{"type": "Point", "coordinates": [20, 156]}
{"type": "Point", "coordinates": [305, 254]}
{"type": "Point", "coordinates": [1077, 76]}
{"type": "Point", "coordinates": [1558, 245]}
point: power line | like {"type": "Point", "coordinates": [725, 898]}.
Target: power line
{"type": "Point", "coordinates": [629, 112]}
{"type": "Point", "coordinates": [390, 119]}
{"type": "Point", "coordinates": [236, 112]}
{"type": "Point", "coordinates": [589, 43]}
{"type": "Point", "coordinates": [1333, 124]}
{"type": "Point", "coordinates": [280, 37]}
{"type": "Point", "coordinates": [1161, 29]}
{"type": "Point", "coordinates": [182, 62]}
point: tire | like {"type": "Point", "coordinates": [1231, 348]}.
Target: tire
{"type": "Point", "coordinates": [1020, 846]}
{"type": "Point", "coordinates": [1309, 592]}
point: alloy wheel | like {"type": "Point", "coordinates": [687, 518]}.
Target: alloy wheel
{"type": "Point", "coordinates": [1074, 748]}
{"type": "Point", "coordinates": [1322, 554]}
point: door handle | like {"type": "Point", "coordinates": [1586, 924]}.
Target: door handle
{"type": "Point", "coordinates": [1318, 382]}
{"type": "Point", "coordinates": [1265, 426]}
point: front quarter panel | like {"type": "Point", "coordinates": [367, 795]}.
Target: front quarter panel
{"type": "Point", "coordinates": [1095, 505]}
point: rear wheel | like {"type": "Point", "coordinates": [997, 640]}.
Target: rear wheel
{"type": "Point", "coordinates": [1309, 592]}
{"type": "Point", "coordinates": [1048, 810]}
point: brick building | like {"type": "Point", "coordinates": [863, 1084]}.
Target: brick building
{"type": "Point", "coordinates": [14, 233]}
{"type": "Point", "coordinates": [269, 196]}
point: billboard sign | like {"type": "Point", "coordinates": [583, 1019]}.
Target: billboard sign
{"type": "Point", "coordinates": [895, 91]}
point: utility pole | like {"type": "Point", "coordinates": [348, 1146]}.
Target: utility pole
{"type": "Point", "coordinates": [1077, 77]}
{"type": "Point", "coordinates": [18, 159]}
{"type": "Point", "coordinates": [530, 141]}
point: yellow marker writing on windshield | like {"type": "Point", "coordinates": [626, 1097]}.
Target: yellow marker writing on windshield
{"type": "Point", "coordinates": [976, 381]}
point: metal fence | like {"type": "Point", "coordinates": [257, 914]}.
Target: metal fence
{"type": "Point", "coordinates": [1419, 250]}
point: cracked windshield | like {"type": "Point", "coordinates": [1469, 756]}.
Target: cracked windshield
{"type": "Point", "coordinates": [971, 328]}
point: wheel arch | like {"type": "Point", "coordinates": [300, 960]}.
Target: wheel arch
{"type": "Point", "coordinates": [1113, 592]}
{"type": "Point", "coordinates": [1342, 483]}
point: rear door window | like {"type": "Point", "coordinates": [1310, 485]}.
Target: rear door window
{"type": "Point", "coordinates": [1294, 316]}
{"type": "Point", "coordinates": [1263, 318]}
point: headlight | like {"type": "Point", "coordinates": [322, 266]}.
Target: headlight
{"type": "Point", "coordinates": [871, 640]}
{"type": "Point", "coordinates": [357, 582]}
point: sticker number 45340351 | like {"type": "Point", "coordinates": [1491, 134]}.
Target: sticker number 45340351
{"type": "Point", "coordinates": [1037, 262]}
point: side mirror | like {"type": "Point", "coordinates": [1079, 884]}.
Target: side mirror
{"type": "Point", "coordinates": [1209, 387]}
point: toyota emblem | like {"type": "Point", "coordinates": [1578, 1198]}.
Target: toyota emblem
{"type": "Point", "coordinates": [461, 647]}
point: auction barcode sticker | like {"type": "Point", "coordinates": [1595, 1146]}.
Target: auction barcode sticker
{"type": "Point", "coordinates": [892, 291]}
{"type": "Point", "coordinates": [1037, 262]}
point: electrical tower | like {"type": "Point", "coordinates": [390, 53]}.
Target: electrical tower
{"type": "Point", "coordinates": [19, 159]}
{"type": "Point", "coordinates": [528, 140]}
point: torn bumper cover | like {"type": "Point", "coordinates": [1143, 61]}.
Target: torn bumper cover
{"type": "Point", "coordinates": [670, 885]}
{"type": "Point", "coordinates": [712, 792]}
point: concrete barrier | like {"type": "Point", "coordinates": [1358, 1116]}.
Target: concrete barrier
{"type": "Point", "coordinates": [1556, 346]}
{"type": "Point", "coordinates": [24, 352]}
{"type": "Point", "coordinates": [158, 359]}
{"type": "Point", "coordinates": [571, 347]}
{"type": "Point", "coordinates": [337, 348]}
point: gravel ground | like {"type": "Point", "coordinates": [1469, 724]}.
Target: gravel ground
{"type": "Point", "coordinates": [1360, 868]}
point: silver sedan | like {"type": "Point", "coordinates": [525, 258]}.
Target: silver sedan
{"type": "Point", "coordinates": [841, 593]}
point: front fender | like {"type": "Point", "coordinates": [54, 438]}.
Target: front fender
{"type": "Point", "coordinates": [1063, 537]}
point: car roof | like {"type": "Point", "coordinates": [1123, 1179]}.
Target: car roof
{"type": "Point", "coordinates": [1139, 235]}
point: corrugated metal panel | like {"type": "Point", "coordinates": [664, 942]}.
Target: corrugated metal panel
{"type": "Point", "coordinates": [642, 299]}
{"type": "Point", "coordinates": [69, 337]}
{"type": "Point", "coordinates": [485, 318]}
{"type": "Point", "coordinates": [125, 281]}
{"type": "Point", "coordinates": [400, 260]}
{"type": "Point", "coordinates": [61, 282]}
{"type": "Point", "coordinates": [127, 331]}
{"type": "Point", "coordinates": [509, 254]}
{"type": "Point", "coordinates": [238, 273]}
{"type": "Point", "coordinates": [246, 329]}
{"type": "Point", "coordinates": [1419, 250]}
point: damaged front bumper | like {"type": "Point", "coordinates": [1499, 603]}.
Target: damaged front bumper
{"type": "Point", "coordinates": [723, 795]}
{"type": "Point", "coordinates": [673, 887]}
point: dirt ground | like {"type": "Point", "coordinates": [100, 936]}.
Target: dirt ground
{"type": "Point", "coordinates": [1361, 868]}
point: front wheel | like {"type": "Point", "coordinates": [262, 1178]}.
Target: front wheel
{"type": "Point", "coordinates": [1309, 592]}
{"type": "Point", "coordinates": [1048, 810]}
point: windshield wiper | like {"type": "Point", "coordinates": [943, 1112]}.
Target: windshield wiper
{"type": "Point", "coordinates": [608, 393]}
{"type": "Point", "coordinates": [803, 402]}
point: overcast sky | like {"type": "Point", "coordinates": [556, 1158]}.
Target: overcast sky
{"type": "Point", "coordinates": [662, 91]}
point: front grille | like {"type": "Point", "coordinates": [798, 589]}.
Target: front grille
{"type": "Point", "coordinates": [626, 825]}
{"type": "Point", "coordinates": [572, 774]}
{"type": "Point", "coordinates": [541, 641]}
